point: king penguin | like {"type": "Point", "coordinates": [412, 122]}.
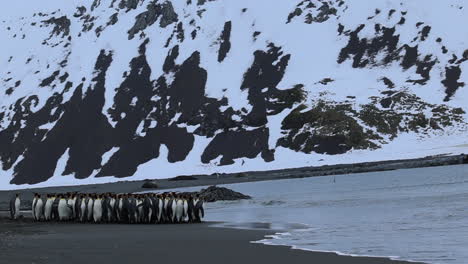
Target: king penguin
{"type": "Point", "coordinates": [15, 204]}
{"type": "Point", "coordinates": [48, 208]}
{"type": "Point", "coordinates": [97, 209]}
{"type": "Point", "coordinates": [39, 208]}
{"type": "Point", "coordinates": [63, 209]}
{"type": "Point", "coordinates": [179, 211]}
{"type": "Point", "coordinates": [83, 212]}
{"type": "Point", "coordinates": [33, 207]}
{"type": "Point", "coordinates": [89, 208]}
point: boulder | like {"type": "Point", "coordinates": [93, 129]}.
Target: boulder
{"type": "Point", "coordinates": [150, 185]}
{"type": "Point", "coordinates": [214, 193]}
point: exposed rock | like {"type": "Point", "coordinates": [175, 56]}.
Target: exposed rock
{"type": "Point", "coordinates": [151, 15]}
{"type": "Point", "coordinates": [183, 178]}
{"type": "Point", "coordinates": [225, 44]}
{"type": "Point", "coordinates": [215, 193]}
{"type": "Point", "coordinates": [150, 185]}
{"type": "Point", "coordinates": [61, 25]}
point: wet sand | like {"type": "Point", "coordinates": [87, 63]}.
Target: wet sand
{"type": "Point", "coordinates": [24, 241]}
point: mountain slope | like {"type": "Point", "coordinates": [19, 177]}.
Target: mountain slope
{"type": "Point", "coordinates": [151, 89]}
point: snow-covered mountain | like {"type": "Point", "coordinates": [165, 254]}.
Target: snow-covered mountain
{"type": "Point", "coordinates": [97, 90]}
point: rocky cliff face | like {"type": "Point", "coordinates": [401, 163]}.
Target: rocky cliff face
{"type": "Point", "coordinates": [152, 89]}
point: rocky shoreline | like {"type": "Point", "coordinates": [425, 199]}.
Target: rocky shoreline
{"type": "Point", "coordinates": [250, 176]}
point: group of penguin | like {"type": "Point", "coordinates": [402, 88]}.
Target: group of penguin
{"type": "Point", "coordinates": [116, 208]}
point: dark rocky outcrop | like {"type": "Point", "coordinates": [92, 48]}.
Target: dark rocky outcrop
{"type": "Point", "coordinates": [150, 185]}
{"type": "Point", "coordinates": [61, 26]}
{"type": "Point", "coordinates": [215, 193]}
{"type": "Point", "coordinates": [225, 44]}
{"type": "Point", "coordinates": [183, 178]}
{"type": "Point", "coordinates": [151, 15]}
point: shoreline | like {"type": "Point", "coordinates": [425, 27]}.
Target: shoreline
{"type": "Point", "coordinates": [25, 241]}
{"type": "Point", "coordinates": [230, 178]}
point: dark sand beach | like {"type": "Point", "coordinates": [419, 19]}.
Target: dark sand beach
{"type": "Point", "coordinates": [24, 241]}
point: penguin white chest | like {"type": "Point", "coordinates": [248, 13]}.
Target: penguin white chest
{"type": "Point", "coordinates": [63, 210]}
{"type": "Point", "coordinates": [97, 210]}
{"type": "Point", "coordinates": [38, 209]}
{"type": "Point", "coordinates": [17, 206]}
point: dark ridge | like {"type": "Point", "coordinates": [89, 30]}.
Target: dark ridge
{"type": "Point", "coordinates": [266, 72]}
{"type": "Point", "coordinates": [151, 15]}
{"type": "Point", "coordinates": [402, 21]}
{"type": "Point", "coordinates": [236, 144]}
{"type": "Point", "coordinates": [388, 82]}
{"type": "Point", "coordinates": [80, 11]}
{"type": "Point", "coordinates": [127, 4]}
{"type": "Point", "coordinates": [64, 77]}
{"type": "Point", "coordinates": [452, 75]}
{"type": "Point", "coordinates": [425, 32]}
{"type": "Point", "coordinates": [255, 35]}
{"type": "Point", "coordinates": [323, 129]}
{"type": "Point", "coordinates": [187, 92]}
{"type": "Point", "coordinates": [364, 52]}
{"type": "Point", "coordinates": [386, 102]}
{"type": "Point", "coordinates": [61, 26]}
{"type": "Point", "coordinates": [180, 32]}
{"type": "Point", "coordinates": [113, 19]}
{"type": "Point", "coordinates": [169, 62]}
{"type": "Point", "coordinates": [424, 67]}
{"type": "Point", "coordinates": [225, 44]}
{"type": "Point", "coordinates": [464, 57]}
{"type": "Point", "coordinates": [340, 29]}
{"type": "Point", "coordinates": [295, 13]}
{"type": "Point", "coordinates": [47, 81]}
{"type": "Point", "coordinates": [90, 137]}
{"type": "Point", "coordinates": [410, 58]}
{"type": "Point", "coordinates": [80, 122]}
{"type": "Point", "coordinates": [194, 34]}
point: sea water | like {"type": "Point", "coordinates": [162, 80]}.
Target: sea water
{"type": "Point", "coordinates": [412, 214]}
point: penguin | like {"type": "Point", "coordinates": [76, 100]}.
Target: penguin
{"type": "Point", "coordinates": [89, 208]}
{"type": "Point", "coordinates": [111, 212]}
{"type": "Point", "coordinates": [118, 207]}
{"type": "Point", "coordinates": [71, 204]}
{"type": "Point", "coordinates": [15, 204]}
{"type": "Point", "coordinates": [83, 207]}
{"type": "Point", "coordinates": [48, 208]}
{"type": "Point", "coordinates": [124, 208]}
{"type": "Point", "coordinates": [199, 210]}
{"type": "Point", "coordinates": [139, 205]}
{"type": "Point", "coordinates": [155, 208]}
{"type": "Point", "coordinates": [147, 207]}
{"type": "Point", "coordinates": [78, 202]}
{"type": "Point", "coordinates": [165, 208]}
{"type": "Point", "coordinates": [130, 210]}
{"type": "Point", "coordinates": [97, 209]}
{"type": "Point", "coordinates": [160, 204]}
{"type": "Point", "coordinates": [55, 214]}
{"type": "Point", "coordinates": [174, 209]}
{"type": "Point", "coordinates": [63, 209]}
{"type": "Point", "coordinates": [185, 207]}
{"type": "Point", "coordinates": [190, 209]}
{"type": "Point", "coordinates": [39, 208]}
{"type": "Point", "coordinates": [179, 209]}
{"type": "Point", "coordinates": [33, 207]}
